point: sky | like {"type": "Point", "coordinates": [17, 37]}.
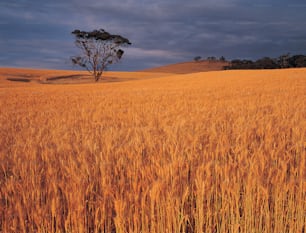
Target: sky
{"type": "Point", "coordinates": [37, 33]}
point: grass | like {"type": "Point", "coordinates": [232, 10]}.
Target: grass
{"type": "Point", "coordinates": [204, 152]}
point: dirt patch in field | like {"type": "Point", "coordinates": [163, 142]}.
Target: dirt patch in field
{"type": "Point", "coordinates": [77, 79]}
{"type": "Point", "coordinates": [25, 80]}
{"type": "Point", "coordinates": [75, 76]}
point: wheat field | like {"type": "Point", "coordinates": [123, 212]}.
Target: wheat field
{"type": "Point", "coordinates": [215, 152]}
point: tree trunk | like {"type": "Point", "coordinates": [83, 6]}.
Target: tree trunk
{"type": "Point", "coordinates": [98, 76]}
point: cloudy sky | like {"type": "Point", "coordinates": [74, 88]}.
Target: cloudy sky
{"type": "Point", "coordinates": [37, 33]}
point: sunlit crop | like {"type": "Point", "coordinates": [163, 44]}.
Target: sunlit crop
{"type": "Point", "coordinates": [205, 152]}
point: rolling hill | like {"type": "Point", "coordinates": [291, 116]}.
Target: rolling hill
{"type": "Point", "coordinates": [189, 67]}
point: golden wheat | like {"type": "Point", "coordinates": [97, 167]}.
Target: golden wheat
{"type": "Point", "coordinates": [206, 152]}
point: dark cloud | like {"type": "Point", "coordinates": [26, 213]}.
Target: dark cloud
{"type": "Point", "coordinates": [37, 34]}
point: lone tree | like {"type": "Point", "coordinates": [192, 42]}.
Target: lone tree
{"type": "Point", "coordinates": [99, 49]}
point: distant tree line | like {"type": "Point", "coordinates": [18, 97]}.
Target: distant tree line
{"type": "Point", "coordinates": [211, 59]}
{"type": "Point", "coordinates": [284, 61]}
